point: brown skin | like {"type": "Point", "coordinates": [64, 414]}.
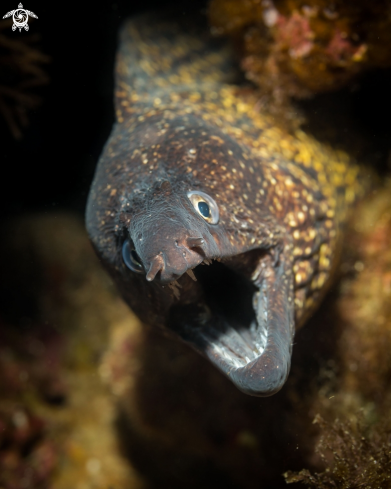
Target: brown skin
{"type": "Point", "coordinates": [282, 201]}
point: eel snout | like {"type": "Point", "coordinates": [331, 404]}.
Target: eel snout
{"type": "Point", "coordinates": [176, 257]}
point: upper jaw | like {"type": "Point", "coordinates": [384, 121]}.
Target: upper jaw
{"type": "Point", "coordinates": [168, 259]}
{"type": "Point", "coordinates": [169, 267]}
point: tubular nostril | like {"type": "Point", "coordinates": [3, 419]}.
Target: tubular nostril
{"type": "Point", "coordinates": [193, 242]}
{"type": "Point", "coordinates": [157, 264]}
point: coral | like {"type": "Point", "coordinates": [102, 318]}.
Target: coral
{"type": "Point", "coordinates": [21, 72]}
{"type": "Point", "coordinates": [293, 49]}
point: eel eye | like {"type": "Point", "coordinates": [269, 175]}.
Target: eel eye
{"type": "Point", "coordinates": [205, 206]}
{"type": "Point", "coordinates": [131, 258]}
{"type": "Point", "coordinates": [203, 209]}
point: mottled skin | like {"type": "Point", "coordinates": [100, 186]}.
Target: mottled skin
{"type": "Point", "coordinates": [182, 125]}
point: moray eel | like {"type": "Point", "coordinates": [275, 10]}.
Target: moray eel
{"type": "Point", "coordinates": [219, 228]}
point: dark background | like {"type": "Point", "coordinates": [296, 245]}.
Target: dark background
{"type": "Point", "coordinates": [52, 166]}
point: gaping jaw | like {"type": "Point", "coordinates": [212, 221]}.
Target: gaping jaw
{"type": "Point", "coordinates": [153, 224]}
{"type": "Point", "coordinates": [243, 321]}
{"type": "Point", "coordinates": [238, 311]}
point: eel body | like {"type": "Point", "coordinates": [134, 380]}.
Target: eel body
{"type": "Point", "coordinates": [218, 227]}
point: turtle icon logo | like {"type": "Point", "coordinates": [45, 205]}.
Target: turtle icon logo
{"type": "Point", "coordinates": [20, 16]}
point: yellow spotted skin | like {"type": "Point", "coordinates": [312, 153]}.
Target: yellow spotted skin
{"type": "Point", "coordinates": [185, 125]}
{"type": "Point", "coordinates": [305, 185]}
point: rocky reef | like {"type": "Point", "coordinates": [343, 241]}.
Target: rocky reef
{"type": "Point", "coordinates": [355, 440]}
{"type": "Point", "coordinates": [290, 48]}
{"type": "Point", "coordinates": [56, 417]}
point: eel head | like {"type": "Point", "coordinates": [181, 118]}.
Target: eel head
{"type": "Point", "coordinates": [187, 263]}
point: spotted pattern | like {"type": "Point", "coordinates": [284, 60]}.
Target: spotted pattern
{"type": "Point", "coordinates": [176, 95]}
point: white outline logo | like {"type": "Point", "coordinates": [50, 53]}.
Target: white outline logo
{"type": "Point", "coordinates": [20, 16]}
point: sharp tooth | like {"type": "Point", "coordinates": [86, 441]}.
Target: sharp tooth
{"type": "Point", "coordinates": [190, 273]}
{"type": "Point", "coordinates": [207, 261]}
{"type": "Point", "coordinates": [175, 286]}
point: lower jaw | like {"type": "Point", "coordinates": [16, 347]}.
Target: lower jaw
{"type": "Point", "coordinates": [222, 325]}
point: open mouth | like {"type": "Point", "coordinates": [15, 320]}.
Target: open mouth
{"type": "Point", "coordinates": [230, 324]}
